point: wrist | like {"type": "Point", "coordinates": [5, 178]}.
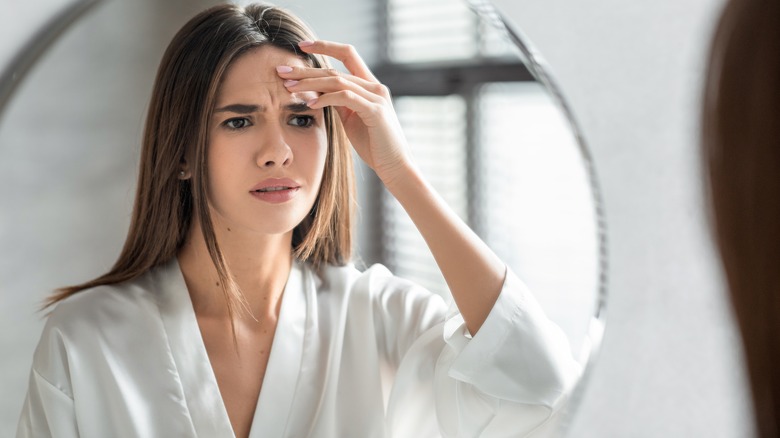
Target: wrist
{"type": "Point", "coordinates": [394, 176]}
{"type": "Point", "coordinates": [391, 175]}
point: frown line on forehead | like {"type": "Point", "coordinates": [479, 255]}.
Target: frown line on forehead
{"type": "Point", "coordinates": [248, 108]}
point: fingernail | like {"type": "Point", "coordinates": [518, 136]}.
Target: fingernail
{"type": "Point", "coordinates": [311, 102]}
{"type": "Point", "coordinates": [306, 43]}
{"type": "Point", "coordinates": [290, 83]}
{"type": "Point", "coordinates": [283, 69]}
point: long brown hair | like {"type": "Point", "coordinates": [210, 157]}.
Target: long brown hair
{"type": "Point", "coordinates": [741, 162]}
{"type": "Point", "coordinates": [177, 129]}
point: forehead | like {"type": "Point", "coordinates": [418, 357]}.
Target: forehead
{"type": "Point", "coordinates": [256, 70]}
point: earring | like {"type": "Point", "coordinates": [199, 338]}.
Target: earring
{"type": "Point", "coordinates": [181, 173]}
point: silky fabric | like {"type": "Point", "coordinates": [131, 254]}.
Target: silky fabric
{"type": "Point", "coordinates": [128, 360]}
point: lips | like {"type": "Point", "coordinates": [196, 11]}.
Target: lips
{"type": "Point", "coordinates": [275, 190]}
{"type": "Point", "coordinates": [275, 184]}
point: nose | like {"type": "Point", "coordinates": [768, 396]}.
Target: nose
{"type": "Point", "coordinates": [273, 150]}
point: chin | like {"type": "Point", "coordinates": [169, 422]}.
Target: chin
{"type": "Point", "coordinates": [265, 222]}
{"type": "Point", "coordinates": [276, 225]}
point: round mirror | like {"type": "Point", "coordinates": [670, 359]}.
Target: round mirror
{"type": "Point", "coordinates": [484, 119]}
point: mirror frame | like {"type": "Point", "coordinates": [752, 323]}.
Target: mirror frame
{"type": "Point", "coordinates": [540, 70]}
{"type": "Point", "coordinates": [37, 44]}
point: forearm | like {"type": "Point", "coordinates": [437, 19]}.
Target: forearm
{"type": "Point", "coordinates": [474, 274]}
{"type": "Point", "coordinates": [472, 271]}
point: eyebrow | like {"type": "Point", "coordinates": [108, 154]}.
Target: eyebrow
{"type": "Point", "coordinates": [243, 108]}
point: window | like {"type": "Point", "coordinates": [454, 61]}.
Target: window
{"type": "Point", "coordinates": [438, 55]}
{"type": "Point", "coordinates": [496, 147]}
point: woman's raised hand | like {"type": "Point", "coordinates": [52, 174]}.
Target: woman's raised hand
{"type": "Point", "coordinates": [474, 274]}
{"type": "Point", "coordinates": [362, 102]}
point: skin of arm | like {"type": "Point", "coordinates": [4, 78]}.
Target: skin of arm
{"type": "Point", "coordinates": [472, 271]}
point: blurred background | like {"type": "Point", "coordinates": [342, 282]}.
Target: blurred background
{"type": "Point", "coordinates": [486, 134]}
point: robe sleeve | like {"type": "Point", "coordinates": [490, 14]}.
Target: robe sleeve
{"type": "Point", "coordinates": [510, 379]}
{"type": "Point", "coordinates": [47, 411]}
{"type": "Point", "coordinates": [402, 312]}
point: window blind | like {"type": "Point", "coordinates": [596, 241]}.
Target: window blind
{"type": "Point", "coordinates": [441, 30]}
{"type": "Point", "coordinates": [430, 30]}
{"type": "Point", "coordinates": [438, 128]}
{"type": "Point", "coordinates": [435, 129]}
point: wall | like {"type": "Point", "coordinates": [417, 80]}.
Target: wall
{"type": "Point", "coordinates": [69, 142]}
{"type": "Point", "coordinates": [670, 363]}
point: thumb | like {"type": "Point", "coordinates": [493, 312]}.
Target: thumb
{"type": "Point", "coordinates": [343, 113]}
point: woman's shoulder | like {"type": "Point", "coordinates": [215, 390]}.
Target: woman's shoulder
{"type": "Point", "coordinates": [397, 310]}
{"type": "Point", "coordinates": [351, 271]}
{"type": "Point", "coordinates": [118, 322]}
{"type": "Point", "coordinates": [106, 305]}
{"type": "Point", "coordinates": [351, 275]}
{"type": "Point", "coordinates": [376, 280]}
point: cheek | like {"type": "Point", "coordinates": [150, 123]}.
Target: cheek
{"type": "Point", "coordinates": [310, 153]}
{"type": "Point", "coordinates": [213, 162]}
{"type": "Point", "coordinates": [222, 166]}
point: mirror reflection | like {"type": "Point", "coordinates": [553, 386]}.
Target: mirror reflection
{"type": "Point", "coordinates": [479, 128]}
{"type": "Point", "coordinates": [499, 149]}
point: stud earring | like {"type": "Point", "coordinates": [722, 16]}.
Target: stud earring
{"type": "Point", "coordinates": [181, 173]}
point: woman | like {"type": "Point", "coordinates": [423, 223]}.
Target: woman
{"type": "Point", "coordinates": [741, 151]}
{"type": "Point", "coordinates": [233, 308]}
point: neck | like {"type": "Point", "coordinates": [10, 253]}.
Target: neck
{"type": "Point", "coordinates": [260, 265]}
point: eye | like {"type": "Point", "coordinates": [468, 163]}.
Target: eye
{"type": "Point", "coordinates": [237, 123]}
{"type": "Point", "coordinates": [301, 121]}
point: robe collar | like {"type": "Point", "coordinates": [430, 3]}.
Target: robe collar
{"type": "Point", "coordinates": [193, 368]}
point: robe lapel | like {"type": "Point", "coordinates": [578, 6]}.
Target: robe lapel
{"type": "Point", "coordinates": [193, 368]}
{"type": "Point", "coordinates": [282, 373]}
{"type": "Point", "coordinates": [207, 411]}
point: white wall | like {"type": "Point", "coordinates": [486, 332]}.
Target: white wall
{"type": "Point", "coordinates": [670, 364]}
{"type": "Point", "coordinates": [69, 146]}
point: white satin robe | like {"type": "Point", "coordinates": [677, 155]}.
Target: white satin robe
{"type": "Point", "coordinates": [129, 361]}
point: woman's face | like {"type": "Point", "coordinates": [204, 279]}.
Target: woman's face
{"type": "Point", "coordinates": [266, 147]}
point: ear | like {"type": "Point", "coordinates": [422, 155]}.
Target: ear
{"type": "Point", "coordinates": [184, 171]}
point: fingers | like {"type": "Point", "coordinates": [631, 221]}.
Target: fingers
{"type": "Point", "coordinates": [357, 92]}
{"type": "Point", "coordinates": [344, 53]}
{"type": "Point", "coordinates": [369, 112]}
{"type": "Point", "coordinates": [328, 80]}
